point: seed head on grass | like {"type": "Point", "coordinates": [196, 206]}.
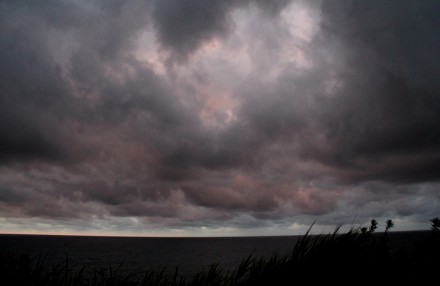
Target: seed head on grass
{"type": "Point", "coordinates": [373, 226]}
{"type": "Point", "coordinates": [435, 224]}
{"type": "Point", "coordinates": [389, 224]}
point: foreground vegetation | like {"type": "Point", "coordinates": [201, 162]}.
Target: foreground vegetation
{"type": "Point", "coordinates": [359, 256]}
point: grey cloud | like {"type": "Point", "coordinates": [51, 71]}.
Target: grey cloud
{"type": "Point", "coordinates": [31, 90]}
{"type": "Point", "coordinates": [183, 26]}
{"type": "Point", "coordinates": [129, 141]}
{"type": "Point", "coordinates": [38, 101]}
{"type": "Point", "coordinates": [389, 106]}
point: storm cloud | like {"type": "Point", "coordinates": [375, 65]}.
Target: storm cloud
{"type": "Point", "coordinates": [217, 117]}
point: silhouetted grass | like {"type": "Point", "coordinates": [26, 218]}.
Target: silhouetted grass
{"type": "Point", "coordinates": [356, 256]}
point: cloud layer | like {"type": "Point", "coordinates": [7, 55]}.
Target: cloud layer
{"type": "Point", "coordinates": [239, 117]}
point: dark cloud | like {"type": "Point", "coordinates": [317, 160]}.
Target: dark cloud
{"type": "Point", "coordinates": [183, 26]}
{"type": "Point", "coordinates": [384, 120]}
{"type": "Point", "coordinates": [31, 90]}
{"type": "Point", "coordinates": [273, 113]}
{"type": "Point", "coordinates": [38, 101]}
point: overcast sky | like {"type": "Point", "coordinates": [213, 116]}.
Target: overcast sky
{"type": "Point", "coordinates": [192, 117]}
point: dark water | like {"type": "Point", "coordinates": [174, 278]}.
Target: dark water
{"type": "Point", "coordinates": [138, 255]}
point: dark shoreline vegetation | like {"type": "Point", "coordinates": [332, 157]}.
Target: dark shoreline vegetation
{"type": "Point", "coordinates": [357, 256]}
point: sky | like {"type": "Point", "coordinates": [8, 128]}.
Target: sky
{"type": "Point", "coordinates": [218, 118]}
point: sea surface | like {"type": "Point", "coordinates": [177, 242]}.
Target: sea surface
{"type": "Point", "coordinates": [137, 255]}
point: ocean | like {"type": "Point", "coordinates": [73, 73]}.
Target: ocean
{"type": "Point", "coordinates": [137, 255]}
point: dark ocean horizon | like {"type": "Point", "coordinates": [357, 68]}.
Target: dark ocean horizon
{"type": "Point", "coordinates": [140, 254]}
